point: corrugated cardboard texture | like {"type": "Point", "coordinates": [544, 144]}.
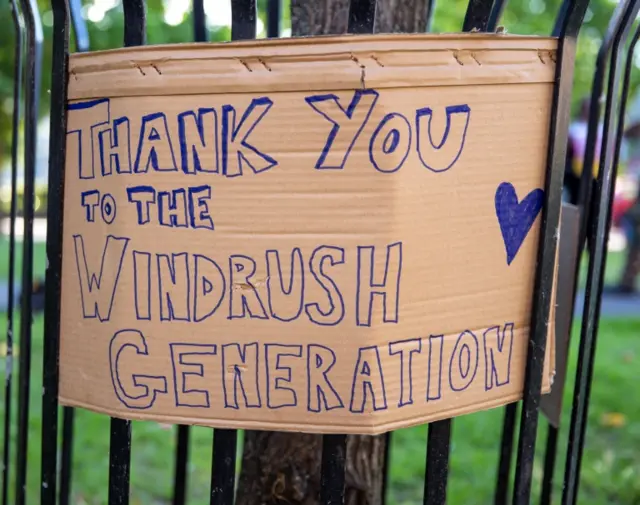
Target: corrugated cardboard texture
{"type": "Point", "coordinates": [335, 234]}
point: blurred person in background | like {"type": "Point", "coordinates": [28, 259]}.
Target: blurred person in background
{"type": "Point", "coordinates": [575, 152]}
{"type": "Point", "coordinates": [626, 204]}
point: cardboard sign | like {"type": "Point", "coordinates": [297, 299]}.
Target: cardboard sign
{"type": "Point", "coordinates": [335, 234]}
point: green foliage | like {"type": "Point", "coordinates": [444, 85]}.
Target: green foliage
{"type": "Point", "coordinates": [526, 17]}
{"type": "Point", "coordinates": [40, 206]}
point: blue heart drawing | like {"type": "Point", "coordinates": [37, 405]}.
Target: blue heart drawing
{"type": "Point", "coordinates": [515, 218]}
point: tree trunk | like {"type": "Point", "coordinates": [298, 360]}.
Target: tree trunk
{"type": "Point", "coordinates": [407, 16]}
{"type": "Point", "coordinates": [281, 468]}
{"type": "Point", "coordinates": [284, 469]}
{"type": "Point", "coordinates": [319, 17]}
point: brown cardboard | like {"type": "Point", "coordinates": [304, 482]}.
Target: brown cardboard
{"type": "Point", "coordinates": [403, 301]}
{"type": "Point", "coordinates": [551, 404]}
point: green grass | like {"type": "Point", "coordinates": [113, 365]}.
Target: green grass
{"type": "Point", "coordinates": [611, 465]}
{"type": "Point", "coordinates": [39, 259]}
{"type": "Point", "coordinates": [612, 272]}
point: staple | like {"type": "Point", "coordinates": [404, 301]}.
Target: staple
{"type": "Point", "coordinates": [139, 68]}
{"type": "Point", "coordinates": [156, 68]}
{"type": "Point", "coordinates": [264, 64]}
{"type": "Point", "coordinates": [244, 63]}
{"type": "Point", "coordinates": [473, 56]}
{"type": "Point", "coordinates": [375, 58]}
{"type": "Point", "coordinates": [457, 58]}
{"type": "Point", "coordinates": [541, 58]}
{"type": "Point", "coordinates": [362, 70]}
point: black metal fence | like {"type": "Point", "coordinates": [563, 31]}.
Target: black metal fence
{"type": "Point", "coordinates": [592, 216]}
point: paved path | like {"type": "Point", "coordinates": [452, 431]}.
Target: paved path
{"type": "Point", "coordinates": [4, 295]}
{"type": "Point", "coordinates": [614, 305]}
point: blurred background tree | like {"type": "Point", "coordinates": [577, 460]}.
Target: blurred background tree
{"type": "Point", "coordinates": [169, 21]}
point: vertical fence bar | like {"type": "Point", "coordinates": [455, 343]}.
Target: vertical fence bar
{"type": "Point", "coordinates": [439, 438]}
{"type": "Point", "coordinates": [32, 95]}
{"type": "Point", "coordinates": [598, 228]}
{"type": "Point", "coordinates": [506, 454]}
{"type": "Point", "coordinates": [15, 141]}
{"type": "Point", "coordinates": [135, 24]}
{"type": "Point", "coordinates": [431, 5]}
{"type": "Point", "coordinates": [541, 307]}
{"type": "Point", "coordinates": [199, 22]}
{"type": "Point", "coordinates": [496, 14]}
{"type": "Point", "coordinates": [362, 15]}
{"type": "Point", "coordinates": [120, 440]}
{"type": "Point", "coordinates": [334, 450]}
{"type": "Point", "coordinates": [386, 466]}
{"type": "Point", "coordinates": [583, 202]}
{"type": "Point", "coordinates": [586, 178]}
{"type": "Point", "coordinates": [511, 410]}
{"type": "Point", "coordinates": [477, 16]}
{"type": "Point", "coordinates": [437, 469]}
{"type": "Point", "coordinates": [549, 465]}
{"type": "Point", "coordinates": [182, 431]}
{"type": "Point", "coordinates": [57, 149]}
{"type": "Point", "coordinates": [431, 8]}
{"type": "Point", "coordinates": [243, 19]}
{"type": "Point", "coordinates": [334, 447]}
{"type": "Point", "coordinates": [223, 464]}
{"type": "Point", "coordinates": [223, 471]}
{"type": "Point", "coordinates": [66, 459]}
{"type": "Point", "coordinates": [439, 432]}
{"type": "Point", "coordinates": [182, 459]}
{"type": "Point", "coordinates": [274, 13]}
{"type": "Point", "coordinates": [81, 35]}
{"type": "Point", "coordinates": [119, 461]}
{"type": "Point", "coordinates": [79, 26]}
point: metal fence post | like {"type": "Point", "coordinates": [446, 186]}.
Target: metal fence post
{"type": "Point", "coordinates": [81, 36]}
{"type": "Point", "coordinates": [32, 95]}
{"type": "Point", "coordinates": [55, 209]}
{"type": "Point", "coordinates": [541, 308]}
{"type": "Point", "coordinates": [120, 439]}
{"type": "Point", "coordinates": [18, 62]}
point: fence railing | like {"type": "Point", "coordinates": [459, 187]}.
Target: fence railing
{"type": "Point", "coordinates": [593, 214]}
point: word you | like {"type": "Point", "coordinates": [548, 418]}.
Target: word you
{"type": "Point", "coordinates": [222, 140]}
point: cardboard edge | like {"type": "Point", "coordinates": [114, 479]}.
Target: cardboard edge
{"type": "Point", "coordinates": [381, 61]}
{"type": "Point", "coordinates": [322, 41]}
{"type": "Point", "coordinates": [283, 425]}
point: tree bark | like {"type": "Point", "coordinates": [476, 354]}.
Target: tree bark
{"type": "Point", "coordinates": [280, 468]}
{"type": "Point", "coordinates": [319, 17]}
{"type": "Point", "coordinates": [405, 16]}
{"type": "Point", "coordinates": [284, 468]}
